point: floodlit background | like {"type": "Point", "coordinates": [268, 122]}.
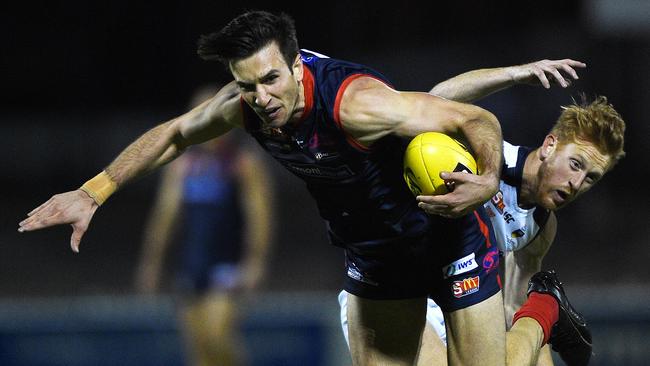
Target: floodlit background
{"type": "Point", "coordinates": [81, 80]}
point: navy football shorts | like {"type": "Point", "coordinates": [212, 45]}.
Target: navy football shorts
{"type": "Point", "coordinates": [455, 262]}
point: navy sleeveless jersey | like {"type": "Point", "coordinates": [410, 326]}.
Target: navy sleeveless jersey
{"type": "Point", "coordinates": [359, 192]}
{"type": "Point", "coordinates": [213, 222]}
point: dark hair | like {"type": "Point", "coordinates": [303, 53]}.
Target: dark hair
{"type": "Point", "coordinates": [247, 34]}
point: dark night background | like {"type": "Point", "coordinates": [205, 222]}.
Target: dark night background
{"type": "Point", "coordinates": [81, 80]}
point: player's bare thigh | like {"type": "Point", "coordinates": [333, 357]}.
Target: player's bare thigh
{"type": "Point", "coordinates": [476, 335]}
{"type": "Point", "coordinates": [385, 332]}
{"type": "Point", "coordinates": [433, 352]}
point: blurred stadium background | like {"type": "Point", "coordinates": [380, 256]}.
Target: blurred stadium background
{"type": "Point", "coordinates": [83, 79]}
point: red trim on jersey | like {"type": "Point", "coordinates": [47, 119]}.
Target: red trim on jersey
{"type": "Point", "coordinates": [337, 105]}
{"type": "Point", "coordinates": [484, 229]}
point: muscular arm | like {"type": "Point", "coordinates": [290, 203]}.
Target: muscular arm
{"type": "Point", "coordinates": [165, 142]}
{"type": "Point", "coordinates": [477, 84]}
{"type": "Point", "coordinates": [156, 147]}
{"type": "Point", "coordinates": [371, 110]}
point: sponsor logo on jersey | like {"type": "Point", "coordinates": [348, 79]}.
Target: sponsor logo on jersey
{"type": "Point", "coordinates": [465, 287]}
{"type": "Point", "coordinates": [491, 260]}
{"type": "Point", "coordinates": [325, 155]}
{"type": "Point", "coordinates": [460, 266]}
{"type": "Point", "coordinates": [498, 202]}
{"type": "Point", "coordinates": [355, 274]}
{"type": "Point", "coordinates": [342, 171]}
{"type": "Point", "coordinates": [518, 233]}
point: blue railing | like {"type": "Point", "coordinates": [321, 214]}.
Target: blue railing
{"type": "Point", "coordinates": [279, 328]}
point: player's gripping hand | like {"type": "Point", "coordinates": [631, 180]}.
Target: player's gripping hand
{"type": "Point", "coordinates": [545, 72]}
{"type": "Point", "coordinates": [467, 192]}
{"type": "Point", "coordinates": [75, 208]}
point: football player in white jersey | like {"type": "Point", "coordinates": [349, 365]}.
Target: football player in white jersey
{"type": "Point", "coordinates": [584, 144]}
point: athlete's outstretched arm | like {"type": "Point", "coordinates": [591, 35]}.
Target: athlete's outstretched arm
{"type": "Point", "coordinates": [476, 84]}
{"type": "Point", "coordinates": [370, 110]}
{"type": "Point", "coordinates": [153, 149]}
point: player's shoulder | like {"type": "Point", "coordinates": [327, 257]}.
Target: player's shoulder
{"type": "Point", "coordinates": [328, 70]}
{"type": "Point", "coordinates": [310, 56]}
{"type": "Point", "coordinates": [510, 154]}
{"type": "Point", "coordinates": [514, 159]}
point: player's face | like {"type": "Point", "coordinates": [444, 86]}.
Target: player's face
{"type": "Point", "coordinates": [569, 170]}
{"type": "Point", "coordinates": [268, 85]}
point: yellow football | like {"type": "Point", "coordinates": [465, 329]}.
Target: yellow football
{"type": "Point", "coordinates": [430, 153]}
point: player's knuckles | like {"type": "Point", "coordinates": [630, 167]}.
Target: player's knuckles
{"type": "Point", "coordinates": [54, 207]}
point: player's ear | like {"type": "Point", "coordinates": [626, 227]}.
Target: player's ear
{"type": "Point", "coordinates": [549, 146]}
{"type": "Point", "coordinates": [296, 67]}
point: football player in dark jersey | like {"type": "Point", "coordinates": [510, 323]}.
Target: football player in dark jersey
{"type": "Point", "coordinates": [342, 128]}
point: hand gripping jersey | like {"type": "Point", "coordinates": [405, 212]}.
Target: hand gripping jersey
{"type": "Point", "coordinates": [514, 226]}
{"type": "Point", "coordinates": [359, 191]}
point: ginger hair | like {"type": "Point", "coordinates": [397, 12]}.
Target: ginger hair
{"type": "Point", "coordinates": [596, 122]}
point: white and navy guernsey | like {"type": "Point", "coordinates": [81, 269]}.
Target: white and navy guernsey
{"type": "Point", "coordinates": [514, 226]}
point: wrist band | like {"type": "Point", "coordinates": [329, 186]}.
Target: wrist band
{"type": "Point", "coordinates": [100, 187]}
